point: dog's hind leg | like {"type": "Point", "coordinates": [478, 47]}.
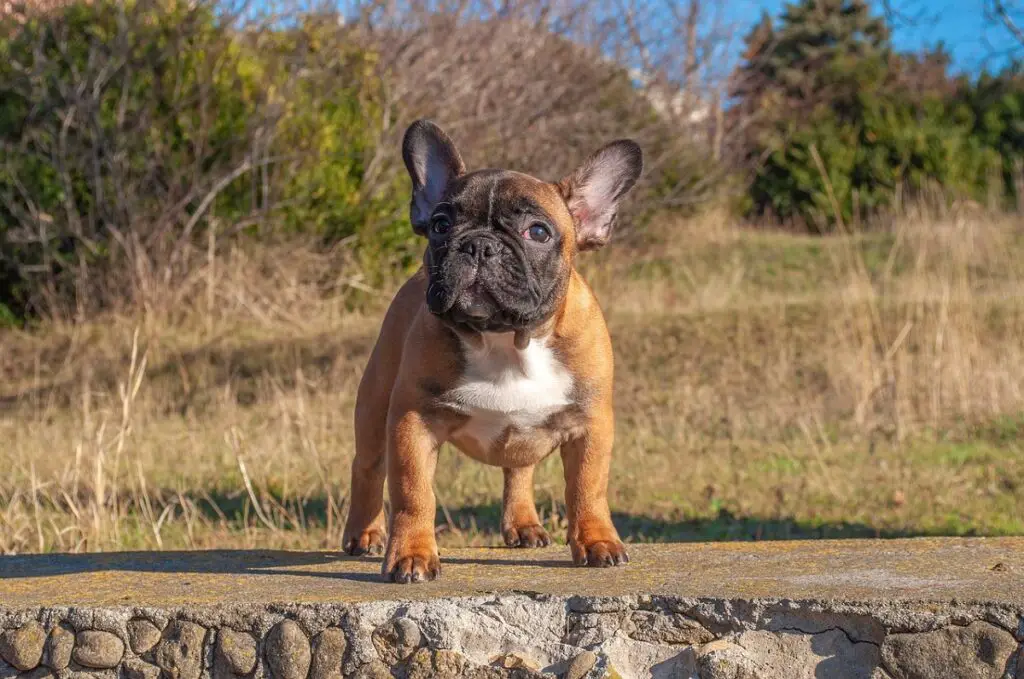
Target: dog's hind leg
{"type": "Point", "coordinates": [520, 524]}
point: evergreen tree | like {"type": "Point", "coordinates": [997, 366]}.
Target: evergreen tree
{"type": "Point", "coordinates": [824, 81]}
{"type": "Point", "coordinates": [821, 51]}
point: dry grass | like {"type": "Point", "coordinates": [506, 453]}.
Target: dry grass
{"type": "Point", "coordinates": [768, 385]}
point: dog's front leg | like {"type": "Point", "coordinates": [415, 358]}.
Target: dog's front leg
{"type": "Point", "coordinates": [412, 457]}
{"type": "Point", "coordinates": [586, 460]}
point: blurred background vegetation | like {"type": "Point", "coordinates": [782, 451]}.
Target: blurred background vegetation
{"type": "Point", "coordinates": [816, 293]}
{"type": "Point", "coordinates": [134, 132]}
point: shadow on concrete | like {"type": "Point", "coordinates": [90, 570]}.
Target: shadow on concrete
{"type": "Point", "coordinates": [238, 562]}
{"type": "Point", "coordinates": [212, 562]}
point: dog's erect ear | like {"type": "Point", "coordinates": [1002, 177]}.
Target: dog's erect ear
{"type": "Point", "coordinates": [593, 191]}
{"type": "Point", "coordinates": [432, 161]}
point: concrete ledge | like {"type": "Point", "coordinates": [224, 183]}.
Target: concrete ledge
{"type": "Point", "coordinates": [944, 608]}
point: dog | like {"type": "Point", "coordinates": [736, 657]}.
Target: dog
{"type": "Point", "coordinates": [496, 345]}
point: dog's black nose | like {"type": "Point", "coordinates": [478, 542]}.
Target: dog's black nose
{"type": "Point", "coordinates": [480, 248]}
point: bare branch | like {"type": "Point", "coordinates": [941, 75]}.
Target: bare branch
{"type": "Point", "coordinates": [1010, 15]}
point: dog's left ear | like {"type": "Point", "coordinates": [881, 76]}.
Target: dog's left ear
{"type": "Point", "coordinates": [593, 191]}
{"type": "Point", "coordinates": [432, 161]}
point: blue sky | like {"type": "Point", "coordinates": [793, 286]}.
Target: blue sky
{"type": "Point", "coordinates": [968, 34]}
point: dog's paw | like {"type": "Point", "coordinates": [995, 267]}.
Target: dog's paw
{"type": "Point", "coordinates": [370, 541]}
{"type": "Point", "coordinates": [411, 557]}
{"type": "Point", "coordinates": [527, 536]}
{"type": "Point", "coordinates": [601, 554]}
{"type": "Point", "coordinates": [412, 567]}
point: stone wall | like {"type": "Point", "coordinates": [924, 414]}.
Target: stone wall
{"type": "Point", "coordinates": [864, 609]}
{"type": "Point", "coordinates": [517, 635]}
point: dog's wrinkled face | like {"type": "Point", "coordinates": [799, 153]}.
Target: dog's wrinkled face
{"type": "Point", "coordinates": [499, 252]}
{"type": "Point", "coordinates": [500, 243]}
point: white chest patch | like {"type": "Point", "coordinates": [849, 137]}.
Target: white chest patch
{"type": "Point", "coordinates": [505, 387]}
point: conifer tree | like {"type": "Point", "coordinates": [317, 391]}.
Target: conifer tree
{"type": "Point", "coordinates": [824, 83]}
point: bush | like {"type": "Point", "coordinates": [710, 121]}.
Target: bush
{"type": "Point", "coordinates": [129, 129]}
{"type": "Point", "coordinates": [894, 150]}
{"type": "Point", "coordinates": [995, 104]}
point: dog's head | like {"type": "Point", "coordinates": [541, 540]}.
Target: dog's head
{"type": "Point", "coordinates": [501, 244]}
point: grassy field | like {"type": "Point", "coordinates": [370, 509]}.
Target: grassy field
{"type": "Point", "coordinates": [768, 386]}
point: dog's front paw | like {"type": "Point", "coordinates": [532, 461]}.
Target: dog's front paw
{"type": "Point", "coordinates": [532, 535]}
{"type": "Point", "coordinates": [370, 541]}
{"type": "Point", "coordinates": [412, 568]}
{"type": "Point", "coordinates": [600, 554]}
{"type": "Point", "coordinates": [411, 561]}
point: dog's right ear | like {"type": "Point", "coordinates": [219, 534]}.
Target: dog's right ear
{"type": "Point", "coordinates": [433, 162]}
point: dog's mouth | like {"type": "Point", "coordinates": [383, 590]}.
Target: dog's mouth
{"type": "Point", "coordinates": [475, 303]}
{"type": "Point", "coordinates": [472, 306]}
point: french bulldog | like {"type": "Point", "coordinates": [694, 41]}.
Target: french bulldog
{"type": "Point", "coordinates": [496, 345]}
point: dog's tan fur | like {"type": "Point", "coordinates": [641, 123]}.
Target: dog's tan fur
{"type": "Point", "coordinates": [401, 419]}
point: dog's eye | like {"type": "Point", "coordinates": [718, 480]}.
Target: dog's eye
{"type": "Point", "coordinates": [440, 225]}
{"type": "Point", "coordinates": [538, 232]}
